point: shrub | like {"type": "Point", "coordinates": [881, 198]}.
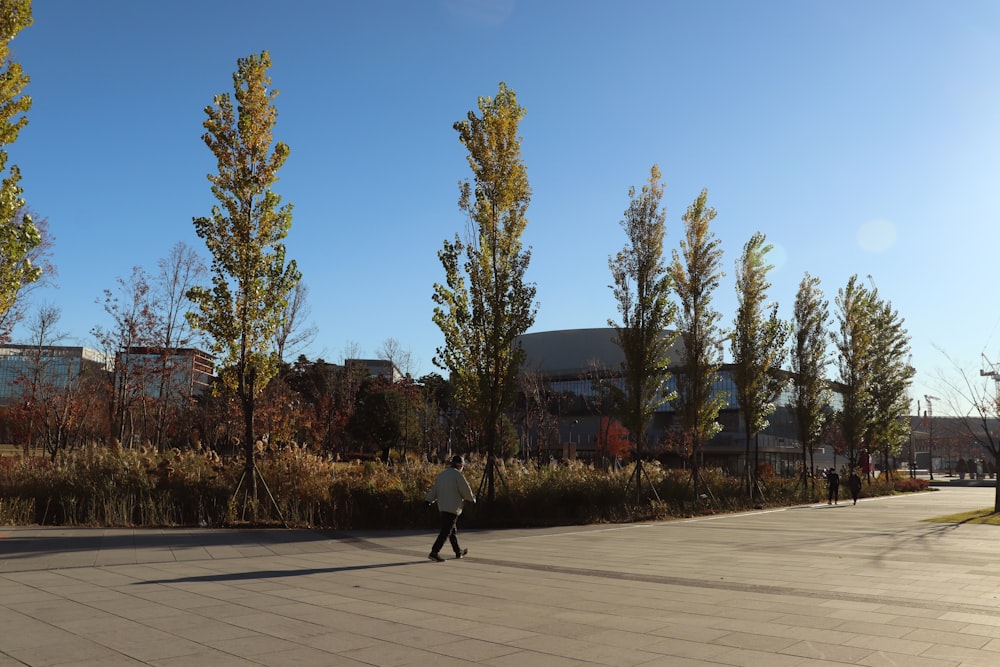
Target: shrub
{"type": "Point", "coordinates": [907, 485]}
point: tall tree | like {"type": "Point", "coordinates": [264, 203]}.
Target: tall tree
{"type": "Point", "coordinates": [811, 393]}
{"type": "Point", "coordinates": [485, 303]}
{"type": "Point", "coordinates": [696, 273]}
{"type": "Point", "coordinates": [19, 236]}
{"type": "Point", "coordinates": [853, 340]}
{"type": "Point", "coordinates": [251, 281]}
{"type": "Point", "coordinates": [758, 347]}
{"type": "Point", "coordinates": [642, 290]}
{"type": "Point", "coordinates": [891, 377]}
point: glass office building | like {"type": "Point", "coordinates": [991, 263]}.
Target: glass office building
{"type": "Point", "coordinates": [45, 365]}
{"type": "Point", "coordinates": [574, 363]}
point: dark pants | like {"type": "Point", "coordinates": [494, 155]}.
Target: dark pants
{"type": "Point", "coordinates": [449, 526]}
{"type": "Point", "coordinates": [831, 494]}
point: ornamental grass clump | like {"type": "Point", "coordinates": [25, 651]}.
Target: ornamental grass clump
{"type": "Point", "coordinates": [300, 482]}
{"type": "Point", "coordinates": [101, 486]}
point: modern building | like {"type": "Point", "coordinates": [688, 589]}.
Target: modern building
{"type": "Point", "coordinates": [574, 363]}
{"type": "Point", "coordinates": [24, 366]}
{"type": "Point", "coordinates": [188, 372]}
{"type": "Point", "coordinates": [377, 368]}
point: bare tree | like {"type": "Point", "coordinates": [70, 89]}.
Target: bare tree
{"type": "Point", "coordinates": [133, 318]}
{"type": "Point", "coordinates": [294, 334]}
{"type": "Point", "coordinates": [177, 273]}
{"type": "Point", "coordinates": [977, 405]}
{"type": "Point", "coordinates": [32, 381]}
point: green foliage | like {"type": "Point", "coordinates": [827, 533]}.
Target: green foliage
{"type": "Point", "coordinates": [251, 282]}
{"type": "Point", "coordinates": [696, 275]}
{"type": "Point", "coordinates": [642, 289]}
{"type": "Point", "coordinates": [873, 359]}
{"type": "Point", "coordinates": [485, 302]}
{"type": "Point", "coordinates": [811, 393]}
{"type": "Point", "coordinates": [758, 341]}
{"type": "Point", "coordinates": [19, 236]}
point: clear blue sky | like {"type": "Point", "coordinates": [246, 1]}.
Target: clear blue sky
{"type": "Point", "coordinates": [861, 137]}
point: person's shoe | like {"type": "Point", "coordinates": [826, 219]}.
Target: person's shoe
{"type": "Point", "coordinates": [436, 558]}
{"type": "Point", "coordinates": [462, 554]}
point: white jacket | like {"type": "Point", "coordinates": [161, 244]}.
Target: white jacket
{"type": "Point", "coordinates": [450, 490]}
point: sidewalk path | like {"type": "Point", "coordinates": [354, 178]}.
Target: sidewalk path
{"type": "Point", "coordinates": [870, 584]}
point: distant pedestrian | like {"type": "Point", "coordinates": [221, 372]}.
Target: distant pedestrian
{"type": "Point", "coordinates": [450, 491]}
{"type": "Point", "coordinates": [832, 486]}
{"type": "Point", "coordinates": [854, 485]}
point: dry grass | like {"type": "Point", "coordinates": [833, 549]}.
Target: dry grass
{"type": "Point", "coordinates": [102, 486]}
{"type": "Point", "coordinates": [985, 515]}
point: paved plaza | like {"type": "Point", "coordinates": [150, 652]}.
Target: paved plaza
{"type": "Point", "coordinates": [871, 584]}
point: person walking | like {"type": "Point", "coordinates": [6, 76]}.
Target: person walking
{"type": "Point", "coordinates": [832, 486]}
{"type": "Point", "coordinates": [854, 485]}
{"type": "Point", "coordinates": [450, 492]}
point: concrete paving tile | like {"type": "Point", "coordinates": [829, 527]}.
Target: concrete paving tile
{"type": "Point", "coordinates": [890, 644]}
{"type": "Point", "coordinates": [873, 629]}
{"type": "Point", "coordinates": [206, 658]}
{"type": "Point", "coordinates": [422, 637]}
{"type": "Point", "coordinates": [972, 618]}
{"type": "Point", "coordinates": [391, 655]}
{"type": "Point", "coordinates": [27, 633]}
{"type": "Point", "coordinates": [254, 646]}
{"type": "Point", "coordinates": [962, 654]}
{"type": "Point", "coordinates": [828, 652]}
{"type": "Point", "coordinates": [490, 632]}
{"type": "Point", "coordinates": [473, 650]}
{"type": "Point", "coordinates": [175, 647]}
{"type": "Point", "coordinates": [576, 649]}
{"type": "Point", "coordinates": [101, 622]}
{"type": "Point", "coordinates": [755, 641]}
{"type": "Point", "coordinates": [105, 661]}
{"type": "Point", "coordinates": [949, 639]}
{"type": "Point", "coordinates": [61, 652]}
{"type": "Point", "coordinates": [276, 626]}
{"type": "Point", "coordinates": [303, 655]}
{"type": "Point", "coordinates": [928, 623]}
{"type": "Point", "coordinates": [55, 611]}
{"type": "Point", "coordinates": [339, 642]}
{"type": "Point", "coordinates": [202, 631]}
{"type": "Point", "coordinates": [695, 633]}
{"type": "Point", "coordinates": [683, 648]}
{"type": "Point", "coordinates": [814, 622]}
{"type": "Point", "coordinates": [532, 659]}
{"type": "Point", "coordinates": [991, 631]}
{"type": "Point", "coordinates": [750, 658]}
{"type": "Point", "coordinates": [889, 659]}
{"type": "Point", "coordinates": [624, 638]}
